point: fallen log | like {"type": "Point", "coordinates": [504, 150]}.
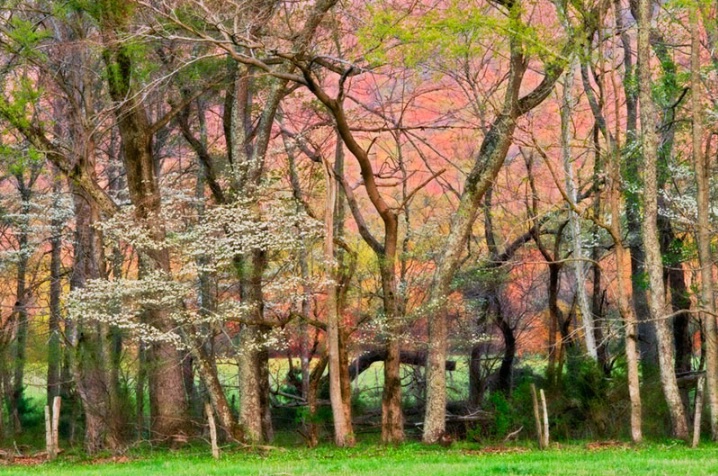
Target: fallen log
{"type": "Point", "coordinates": [363, 362]}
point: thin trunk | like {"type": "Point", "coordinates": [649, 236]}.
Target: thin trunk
{"type": "Point", "coordinates": [305, 307]}
{"type": "Point", "coordinates": [392, 418]}
{"type": "Point", "coordinates": [537, 417]}
{"type": "Point", "coordinates": [120, 412]}
{"type": "Point", "coordinates": [196, 407]}
{"type": "Point", "coordinates": [212, 430]}
{"type": "Point", "coordinates": [344, 375]}
{"type": "Point", "coordinates": [632, 353]}
{"type": "Point", "coordinates": [624, 307]}
{"type": "Point", "coordinates": [567, 107]}
{"type": "Point", "coordinates": [598, 295]}
{"type": "Point", "coordinates": [477, 381]}
{"type": "Point", "coordinates": [20, 308]}
{"type": "Point", "coordinates": [546, 439]}
{"type": "Point", "coordinates": [305, 350]}
{"type": "Point", "coordinates": [698, 410]}
{"type": "Point", "coordinates": [140, 389]}
{"type": "Point", "coordinates": [54, 346]}
{"type": "Point", "coordinates": [386, 254]}
{"type": "Point", "coordinates": [343, 434]}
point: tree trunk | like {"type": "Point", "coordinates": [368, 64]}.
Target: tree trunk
{"type": "Point", "coordinates": [632, 353]}
{"type": "Point", "coordinates": [218, 399]}
{"type": "Point", "coordinates": [651, 242]}
{"type": "Point", "coordinates": [315, 377]}
{"type": "Point", "coordinates": [253, 355]}
{"type": "Point", "coordinates": [250, 408]}
{"type": "Point", "coordinates": [701, 166]}
{"type": "Point", "coordinates": [54, 346]}
{"type": "Point", "coordinates": [343, 434]}
{"type": "Point", "coordinates": [247, 159]}
{"type": "Point", "coordinates": [20, 309]}
{"type": "Point", "coordinates": [674, 278]}
{"type": "Point", "coordinates": [646, 331]}
{"type": "Point", "coordinates": [392, 418]}
{"type": "Point", "coordinates": [627, 312]}
{"type": "Point", "coordinates": [168, 403]}
{"type": "Point", "coordinates": [567, 105]}
{"type": "Point", "coordinates": [121, 415]}
{"type": "Point", "coordinates": [505, 381]}
{"type": "Point", "coordinates": [140, 389]}
{"type": "Point", "coordinates": [477, 379]}
{"type": "Point", "coordinates": [89, 364]}
{"type": "Point", "coordinates": [487, 164]}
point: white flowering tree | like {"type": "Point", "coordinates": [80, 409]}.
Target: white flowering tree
{"type": "Point", "coordinates": [219, 235]}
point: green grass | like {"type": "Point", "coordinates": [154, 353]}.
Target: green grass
{"type": "Point", "coordinates": [412, 459]}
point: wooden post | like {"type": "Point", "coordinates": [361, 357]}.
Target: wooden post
{"type": "Point", "coordinates": [545, 420]}
{"type": "Point", "coordinates": [537, 416]}
{"type": "Point", "coordinates": [212, 430]}
{"type": "Point", "coordinates": [698, 411]}
{"type": "Point", "coordinates": [48, 434]}
{"type": "Point", "coordinates": [56, 404]}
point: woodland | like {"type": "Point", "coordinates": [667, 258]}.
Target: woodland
{"type": "Point", "coordinates": [322, 222]}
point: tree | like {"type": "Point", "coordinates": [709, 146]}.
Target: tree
{"type": "Point", "coordinates": [651, 244]}
{"type": "Point", "coordinates": [701, 166]}
{"type": "Point", "coordinates": [487, 163]}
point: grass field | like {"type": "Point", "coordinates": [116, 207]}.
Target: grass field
{"type": "Point", "coordinates": [411, 459]}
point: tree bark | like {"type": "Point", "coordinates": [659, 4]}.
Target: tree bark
{"type": "Point", "coordinates": [54, 346]}
{"type": "Point", "coordinates": [651, 242]}
{"type": "Point", "coordinates": [646, 331]}
{"type": "Point", "coordinates": [312, 428]}
{"type": "Point", "coordinates": [624, 307]}
{"type": "Point", "coordinates": [168, 403]}
{"type": "Point", "coordinates": [217, 397]}
{"type": "Point", "coordinates": [701, 166]}
{"type": "Point", "coordinates": [567, 105]}
{"type": "Point", "coordinates": [623, 258]}
{"type": "Point", "coordinates": [20, 314]}
{"type": "Point", "coordinates": [487, 163]}
{"type": "Point", "coordinates": [343, 433]}
{"type": "Point", "coordinates": [674, 279]}
{"type": "Point", "coordinates": [250, 387]}
{"type": "Point", "coordinates": [386, 254]}
{"type": "Point", "coordinates": [89, 363]}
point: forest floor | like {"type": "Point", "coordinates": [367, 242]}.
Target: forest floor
{"type": "Point", "coordinates": [414, 459]}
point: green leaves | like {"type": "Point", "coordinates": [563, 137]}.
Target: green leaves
{"type": "Point", "coordinates": [456, 31]}
{"type": "Point", "coordinates": [115, 13]}
{"type": "Point", "coordinates": [25, 37]}
{"type": "Point", "coordinates": [24, 97]}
